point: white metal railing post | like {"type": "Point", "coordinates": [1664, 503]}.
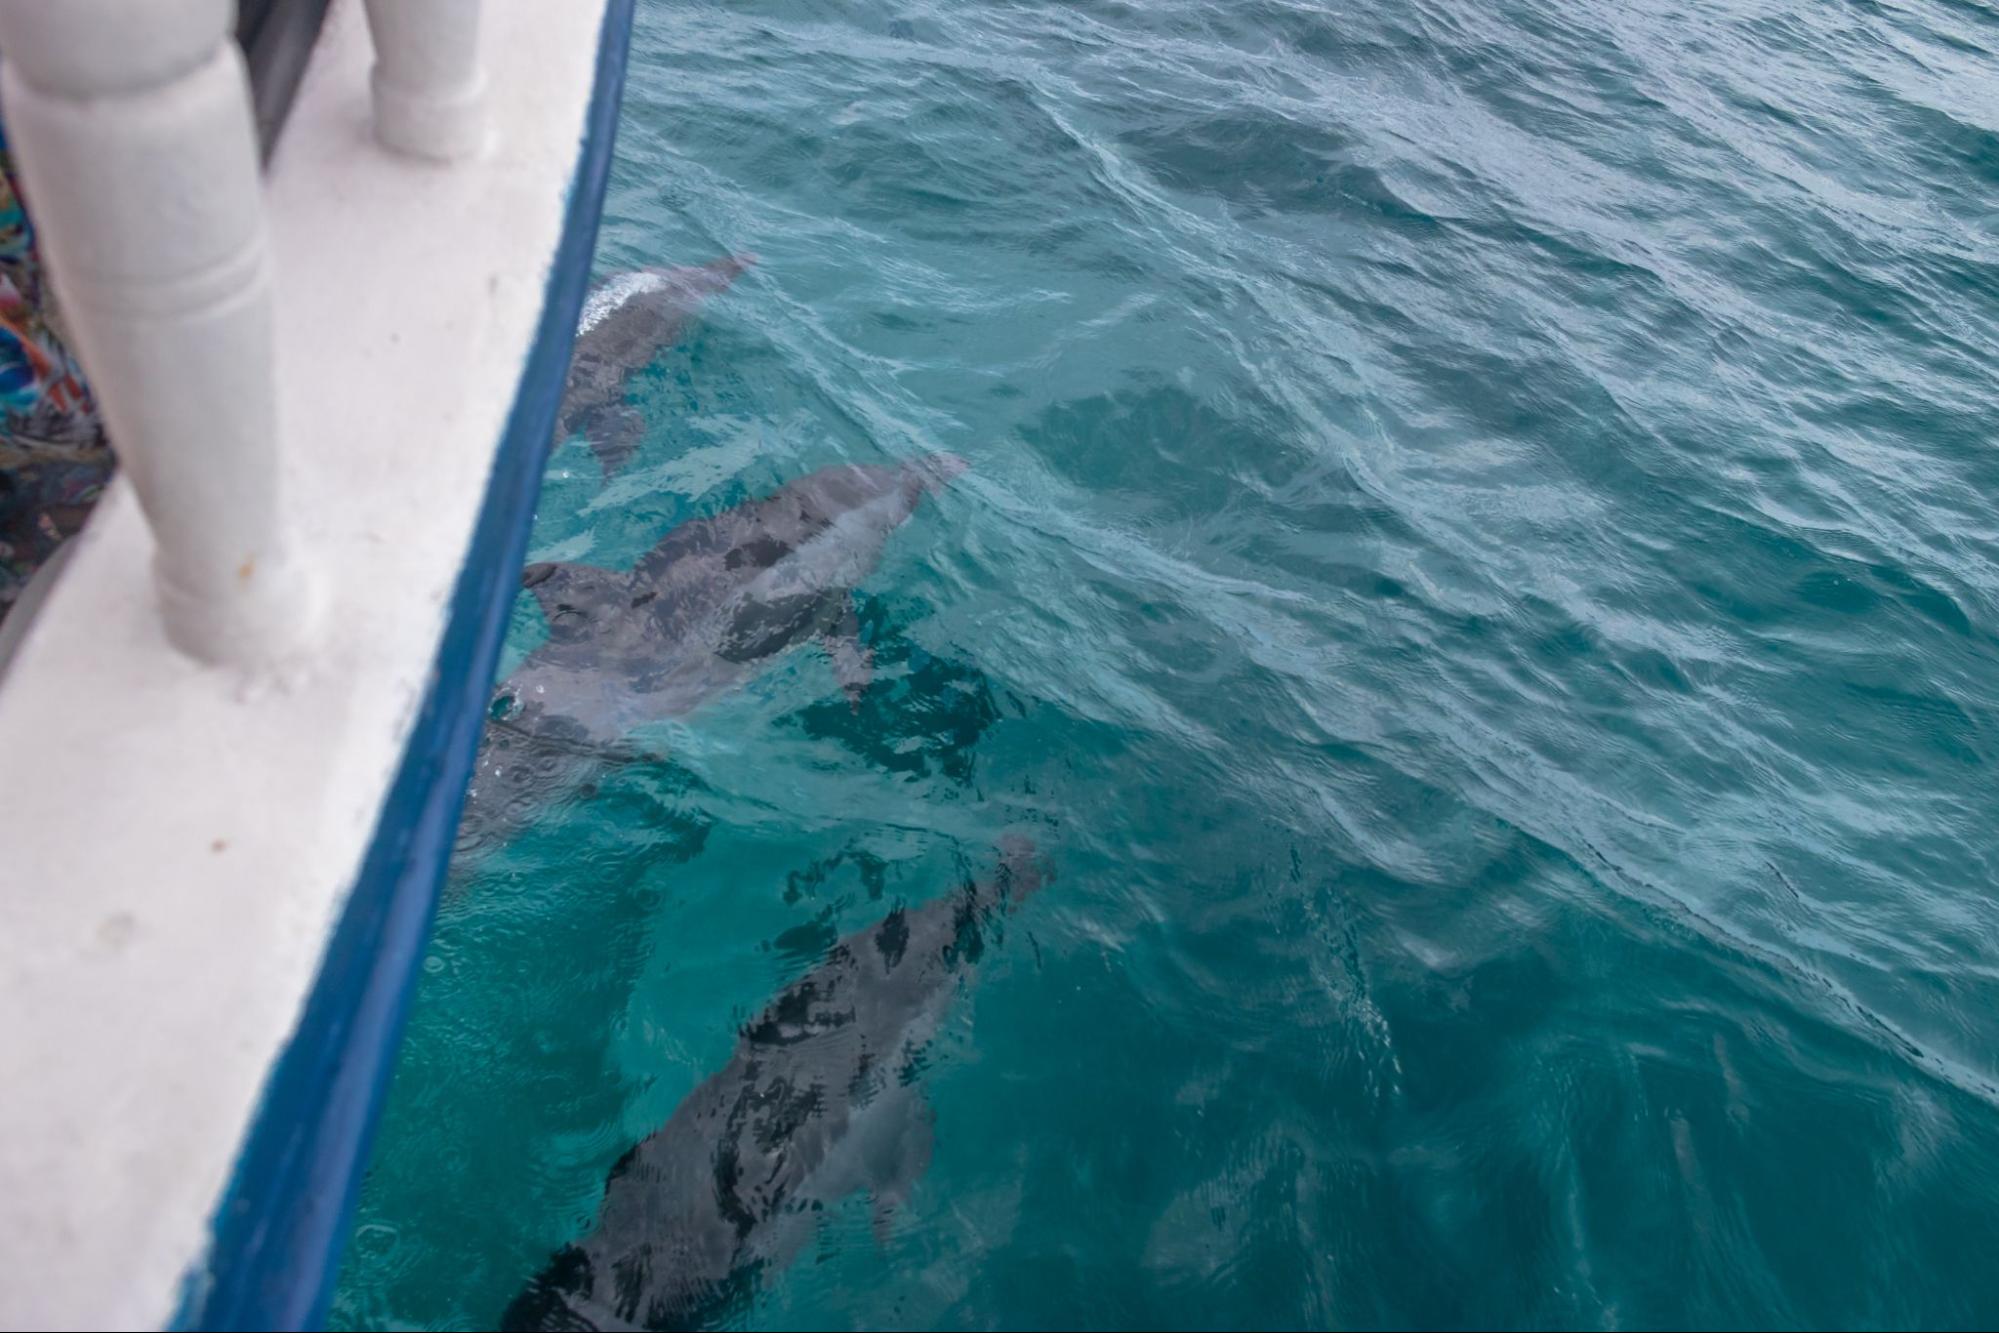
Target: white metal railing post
{"type": "Point", "coordinates": [429, 94]}
{"type": "Point", "coordinates": [132, 129]}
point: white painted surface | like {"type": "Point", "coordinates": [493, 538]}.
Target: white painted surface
{"type": "Point", "coordinates": [429, 95]}
{"type": "Point", "coordinates": [178, 839]}
{"type": "Point", "coordinates": [143, 175]}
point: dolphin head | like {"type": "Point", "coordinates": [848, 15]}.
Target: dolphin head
{"type": "Point", "coordinates": [935, 471]}
{"type": "Point", "coordinates": [698, 280]}
{"type": "Point", "coordinates": [1022, 871]}
{"type": "Point", "coordinates": [888, 493]}
{"type": "Point", "coordinates": [672, 293]}
{"type": "Point", "coordinates": [910, 480]}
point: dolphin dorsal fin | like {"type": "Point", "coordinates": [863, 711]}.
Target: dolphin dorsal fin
{"type": "Point", "coordinates": [574, 597]}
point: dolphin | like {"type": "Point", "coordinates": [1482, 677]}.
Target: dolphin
{"type": "Point", "coordinates": [819, 1101]}
{"type": "Point", "coordinates": [625, 322]}
{"type": "Point", "coordinates": [700, 613]}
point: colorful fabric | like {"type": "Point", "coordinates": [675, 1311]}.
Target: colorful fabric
{"type": "Point", "coordinates": [42, 505]}
{"type": "Point", "coordinates": [53, 456]}
{"type": "Point", "coordinates": [43, 397]}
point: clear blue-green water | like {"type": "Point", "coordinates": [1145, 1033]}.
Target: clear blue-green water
{"type": "Point", "coordinates": [1480, 570]}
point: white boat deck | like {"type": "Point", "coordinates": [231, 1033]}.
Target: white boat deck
{"type": "Point", "coordinates": [179, 839]}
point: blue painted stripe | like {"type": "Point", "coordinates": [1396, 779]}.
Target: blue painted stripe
{"type": "Point", "coordinates": [281, 1226]}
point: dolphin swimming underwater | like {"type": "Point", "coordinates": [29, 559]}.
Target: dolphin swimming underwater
{"type": "Point", "coordinates": [700, 613]}
{"type": "Point", "coordinates": [819, 1102]}
{"type": "Point", "coordinates": [624, 323]}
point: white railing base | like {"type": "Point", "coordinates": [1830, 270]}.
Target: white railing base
{"type": "Point", "coordinates": [429, 94]}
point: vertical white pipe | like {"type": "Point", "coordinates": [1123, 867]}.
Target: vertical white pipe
{"type": "Point", "coordinates": [138, 160]}
{"type": "Point", "coordinates": [429, 94]}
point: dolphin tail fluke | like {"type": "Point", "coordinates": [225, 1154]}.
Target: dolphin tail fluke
{"type": "Point", "coordinates": [547, 1301]}
{"type": "Point", "coordinates": [908, 1160]}
{"type": "Point", "coordinates": [617, 439]}
{"type": "Point", "coordinates": [853, 663]}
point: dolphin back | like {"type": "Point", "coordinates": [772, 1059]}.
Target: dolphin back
{"type": "Point", "coordinates": [624, 323]}
{"type": "Point", "coordinates": [699, 614]}
{"type": "Point", "coordinates": [821, 1100]}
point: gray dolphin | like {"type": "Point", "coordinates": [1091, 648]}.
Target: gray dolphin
{"type": "Point", "coordinates": [820, 1101]}
{"type": "Point", "coordinates": [624, 323]}
{"type": "Point", "coordinates": [700, 613]}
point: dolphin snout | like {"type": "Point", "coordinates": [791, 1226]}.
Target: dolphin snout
{"type": "Point", "coordinates": [936, 470]}
{"type": "Point", "coordinates": [706, 279]}
{"type": "Point", "coordinates": [1023, 869]}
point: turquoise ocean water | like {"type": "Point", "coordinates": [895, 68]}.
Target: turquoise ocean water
{"type": "Point", "coordinates": [1480, 571]}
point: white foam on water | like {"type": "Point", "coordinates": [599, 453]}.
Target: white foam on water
{"type": "Point", "coordinates": [614, 293]}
